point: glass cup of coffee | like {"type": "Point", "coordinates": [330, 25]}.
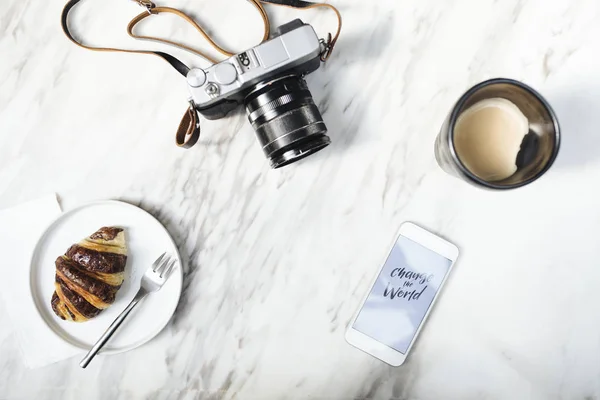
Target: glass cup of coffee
{"type": "Point", "coordinates": [501, 134]}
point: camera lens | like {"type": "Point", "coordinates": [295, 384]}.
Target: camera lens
{"type": "Point", "coordinates": [287, 122]}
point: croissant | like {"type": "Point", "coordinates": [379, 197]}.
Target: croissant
{"type": "Point", "coordinates": [89, 275]}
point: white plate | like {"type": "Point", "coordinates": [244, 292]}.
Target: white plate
{"type": "Point", "coordinates": [146, 239]}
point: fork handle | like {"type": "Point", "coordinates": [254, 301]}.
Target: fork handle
{"type": "Point", "coordinates": [112, 328]}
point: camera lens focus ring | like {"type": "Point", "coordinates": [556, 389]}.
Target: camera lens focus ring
{"type": "Point", "coordinates": [285, 99]}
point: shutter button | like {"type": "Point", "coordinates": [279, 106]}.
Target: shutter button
{"type": "Point", "coordinates": [225, 73]}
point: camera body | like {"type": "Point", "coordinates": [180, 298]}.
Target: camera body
{"type": "Point", "coordinates": [268, 81]}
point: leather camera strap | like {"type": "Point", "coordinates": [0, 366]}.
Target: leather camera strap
{"type": "Point", "coordinates": [174, 11]}
{"type": "Point", "coordinates": [189, 128]}
{"type": "Point", "coordinates": [175, 63]}
{"type": "Point", "coordinates": [188, 132]}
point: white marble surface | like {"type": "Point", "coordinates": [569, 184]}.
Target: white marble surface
{"type": "Point", "coordinates": [278, 260]}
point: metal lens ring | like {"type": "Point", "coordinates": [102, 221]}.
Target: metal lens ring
{"type": "Point", "coordinates": [286, 120]}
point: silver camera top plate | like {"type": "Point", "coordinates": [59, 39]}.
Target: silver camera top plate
{"type": "Point", "coordinates": [246, 69]}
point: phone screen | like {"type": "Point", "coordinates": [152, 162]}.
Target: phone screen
{"type": "Point", "coordinates": [402, 294]}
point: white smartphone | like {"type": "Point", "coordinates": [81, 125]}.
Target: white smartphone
{"type": "Point", "coordinates": [402, 295]}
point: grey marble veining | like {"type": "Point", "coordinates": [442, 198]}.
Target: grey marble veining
{"type": "Point", "coordinates": [277, 261]}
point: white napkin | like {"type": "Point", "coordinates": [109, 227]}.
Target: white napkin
{"type": "Point", "coordinates": [20, 229]}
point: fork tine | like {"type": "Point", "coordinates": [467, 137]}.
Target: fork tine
{"type": "Point", "coordinates": [163, 265]}
{"type": "Point", "coordinates": [159, 271]}
{"type": "Point", "coordinates": [158, 261]}
{"type": "Point", "coordinates": [168, 271]}
{"type": "Point", "coordinates": [167, 267]}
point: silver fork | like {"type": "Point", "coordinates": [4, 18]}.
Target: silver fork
{"type": "Point", "coordinates": [154, 278]}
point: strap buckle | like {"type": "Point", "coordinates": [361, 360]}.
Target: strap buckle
{"type": "Point", "coordinates": [147, 4]}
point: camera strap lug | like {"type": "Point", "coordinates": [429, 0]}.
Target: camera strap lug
{"type": "Point", "coordinates": [326, 47]}
{"type": "Point", "coordinates": [148, 5]}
